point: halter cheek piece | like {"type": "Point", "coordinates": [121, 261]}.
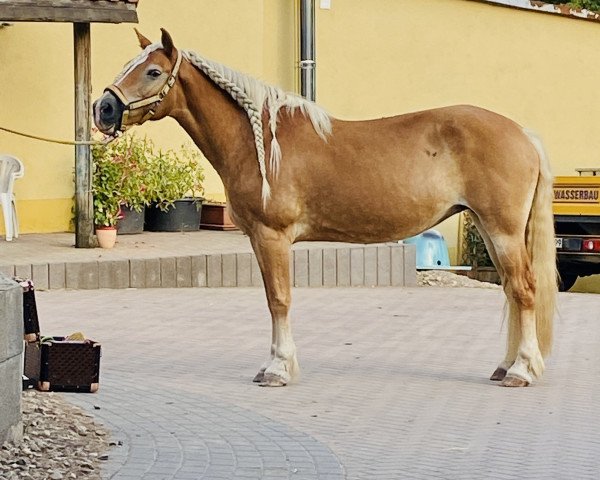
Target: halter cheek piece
{"type": "Point", "coordinates": [131, 106]}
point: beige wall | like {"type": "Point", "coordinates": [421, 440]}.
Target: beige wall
{"type": "Point", "coordinates": [36, 79]}
{"type": "Point", "coordinates": [374, 58]}
{"type": "Point", "coordinates": [383, 57]}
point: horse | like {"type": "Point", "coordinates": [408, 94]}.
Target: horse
{"type": "Point", "coordinates": [293, 173]}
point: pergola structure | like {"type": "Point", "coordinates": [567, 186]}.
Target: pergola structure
{"type": "Point", "coordinates": [80, 13]}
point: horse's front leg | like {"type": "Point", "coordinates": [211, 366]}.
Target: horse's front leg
{"type": "Point", "coordinates": [272, 250]}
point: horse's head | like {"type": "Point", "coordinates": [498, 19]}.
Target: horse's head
{"type": "Point", "coordinates": [139, 92]}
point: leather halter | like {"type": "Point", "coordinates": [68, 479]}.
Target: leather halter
{"type": "Point", "coordinates": [154, 100]}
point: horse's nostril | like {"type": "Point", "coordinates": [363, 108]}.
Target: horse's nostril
{"type": "Point", "coordinates": [106, 108]}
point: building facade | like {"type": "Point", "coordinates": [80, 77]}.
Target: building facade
{"type": "Point", "coordinates": [374, 59]}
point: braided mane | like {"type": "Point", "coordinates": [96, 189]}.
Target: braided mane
{"type": "Point", "coordinates": [254, 96]}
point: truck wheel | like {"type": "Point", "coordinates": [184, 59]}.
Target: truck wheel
{"type": "Point", "coordinates": [567, 280]}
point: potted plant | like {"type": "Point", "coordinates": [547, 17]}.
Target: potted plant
{"type": "Point", "coordinates": [106, 179]}
{"type": "Point", "coordinates": [129, 159]}
{"type": "Point", "coordinates": [175, 190]}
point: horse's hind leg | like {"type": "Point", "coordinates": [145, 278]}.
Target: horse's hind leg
{"type": "Point", "coordinates": [513, 340]}
{"type": "Point", "coordinates": [514, 333]}
{"type": "Point", "coordinates": [273, 252]}
{"type": "Point", "coordinates": [524, 360]}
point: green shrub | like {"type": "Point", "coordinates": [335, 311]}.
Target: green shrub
{"type": "Point", "coordinates": [174, 175]}
{"type": "Point", "coordinates": [474, 252]}
{"type": "Point", "coordinates": [128, 171]}
{"type": "Point", "coordinates": [120, 176]}
{"type": "Point", "coordinates": [593, 5]}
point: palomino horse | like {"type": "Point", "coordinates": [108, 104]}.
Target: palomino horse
{"type": "Point", "coordinates": [410, 172]}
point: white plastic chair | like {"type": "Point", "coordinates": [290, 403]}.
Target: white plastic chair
{"type": "Point", "coordinates": [10, 168]}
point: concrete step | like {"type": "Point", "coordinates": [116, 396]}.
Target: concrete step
{"type": "Point", "coordinates": [390, 264]}
{"type": "Point", "coordinates": [11, 347]}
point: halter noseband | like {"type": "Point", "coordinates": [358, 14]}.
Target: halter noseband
{"type": "Point", "coordinates": [154, 100]}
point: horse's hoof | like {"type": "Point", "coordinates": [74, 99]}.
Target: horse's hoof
{"type": "Point", "coordinates": [498, 375]}
{"type": "Point", "coordinates": [259, 377]}
{"type": "Point", "coordinates": [271, 380]}
{"type": "Point", "coordinates": [510, 381]}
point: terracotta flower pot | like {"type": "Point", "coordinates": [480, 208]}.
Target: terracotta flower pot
{"type": "Point", "coordinates": [107, 236]}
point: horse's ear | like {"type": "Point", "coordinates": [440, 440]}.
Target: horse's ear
{"type": "Point", "coordinates": [167, 42]}
{"type": "Point", "coordinates": [144, 42]}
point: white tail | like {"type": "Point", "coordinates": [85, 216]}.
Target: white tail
{"type": "Point", "coordinates": [542, 251]}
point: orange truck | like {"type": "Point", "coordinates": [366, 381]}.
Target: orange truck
{"type": "Point", "coordinates": [577, 219]}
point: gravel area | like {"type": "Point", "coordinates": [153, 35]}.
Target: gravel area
{"type": "Point", "coordinates": [441, 278]}
{"type": "Point", "coordinates": [60, 441]}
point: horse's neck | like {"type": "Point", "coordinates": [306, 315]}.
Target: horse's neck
{"type": "Point", "coordinates": [216, 125]}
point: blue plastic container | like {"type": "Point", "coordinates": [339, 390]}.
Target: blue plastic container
{"type": "Point", "coordinates": [432, 250]}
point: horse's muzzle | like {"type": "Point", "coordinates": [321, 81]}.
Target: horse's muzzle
{"type": "Point", "coordinates": [108, 113]}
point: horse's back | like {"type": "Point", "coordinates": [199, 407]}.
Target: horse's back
{"type": "Point", "coordinates": [454, 129]}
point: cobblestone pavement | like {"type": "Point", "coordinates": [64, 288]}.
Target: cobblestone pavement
{"type": "Point", "coordinates": [394, 386]}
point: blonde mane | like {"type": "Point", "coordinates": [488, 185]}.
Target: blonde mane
{"type": "Point", "coordinates": [254, 96]}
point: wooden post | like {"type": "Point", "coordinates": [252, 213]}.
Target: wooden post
{"type": "Point", "coordinates": [84, 208]}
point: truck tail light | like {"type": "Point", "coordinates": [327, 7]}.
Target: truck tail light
{"type": "Point", "coordinates": [590, 245]}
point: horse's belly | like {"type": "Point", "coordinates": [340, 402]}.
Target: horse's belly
{"type": "Point", "coordinates": [359, 224]}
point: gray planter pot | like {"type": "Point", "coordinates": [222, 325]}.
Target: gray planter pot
{"type": "Point", "coordinates": [131, 222]}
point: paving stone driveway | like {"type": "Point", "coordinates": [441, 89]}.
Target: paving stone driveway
{"type": "Point", "coordinates": [394, 386]}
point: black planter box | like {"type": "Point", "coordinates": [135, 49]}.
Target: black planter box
{"type": "Point", "coordinates": [58, 364]}
{"type": "Point", "coordinates": [131, 222]}
{"type": "Point", "coordinates": [183, 216]}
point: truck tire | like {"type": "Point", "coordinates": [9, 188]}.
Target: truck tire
{"type": "Point", "coordinates": [567, 280]}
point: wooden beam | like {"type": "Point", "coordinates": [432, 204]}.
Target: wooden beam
{"type": "Point", "coordinates": [84, 207]}
{"type": "Point", "coordinates": [75, 11]}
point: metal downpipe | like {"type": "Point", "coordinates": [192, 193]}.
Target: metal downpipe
{"type": "Point", "coordinates": [307, 50]}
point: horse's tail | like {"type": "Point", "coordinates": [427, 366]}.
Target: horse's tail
{"type": "Point", "coordinates": [542, 250]}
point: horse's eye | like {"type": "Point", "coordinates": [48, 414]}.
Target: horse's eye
{"type": "Point", "coordinates": [154, 73]}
